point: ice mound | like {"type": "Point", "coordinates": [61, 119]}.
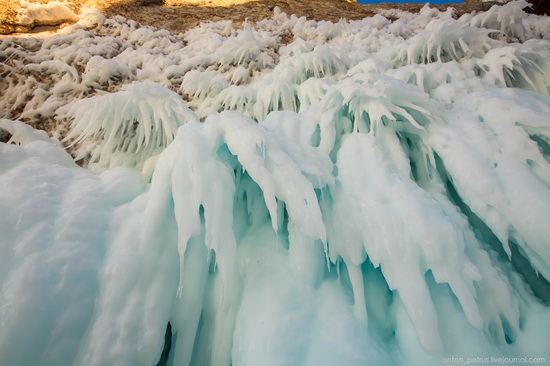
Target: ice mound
{"type": "Point", "coordinates": [127, 127]}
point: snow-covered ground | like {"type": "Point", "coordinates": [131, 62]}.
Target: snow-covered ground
{"type": "Point", "coordinates": [295, 192]}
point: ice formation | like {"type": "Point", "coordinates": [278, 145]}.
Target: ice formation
{"type": "Point", "coordinates": [52, 12]}
{"type": "Point", "coordinates": [372, 192]}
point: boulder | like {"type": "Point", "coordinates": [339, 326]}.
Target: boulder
{"type": "Point", "coordinates": [540, 7]}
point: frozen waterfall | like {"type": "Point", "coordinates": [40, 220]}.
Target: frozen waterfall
{"type": "Point", "coordinates": [373, 192]}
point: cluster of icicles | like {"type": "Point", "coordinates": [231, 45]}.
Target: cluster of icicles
{"type": "Point", "coordinates": [374, 192]}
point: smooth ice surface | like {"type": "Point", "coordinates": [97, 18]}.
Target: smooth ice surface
{"type": "Point", "coordinates": [293, 192]}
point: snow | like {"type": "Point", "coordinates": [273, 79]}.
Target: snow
{"type": "Point", "coordinates": [373, 192]}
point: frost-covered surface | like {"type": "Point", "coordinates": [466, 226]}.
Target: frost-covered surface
{"type": "Point", "coordinates": [369, 193]}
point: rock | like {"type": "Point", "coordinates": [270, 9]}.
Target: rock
{"type": "Point", "coordinates": [6, 28]}
{"type": "Point", "coordinates": [22, 28]}
{"type": "Point", "coordinates": [149, 2]}
{"type": "Point", "coordinates": [540, 7]}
